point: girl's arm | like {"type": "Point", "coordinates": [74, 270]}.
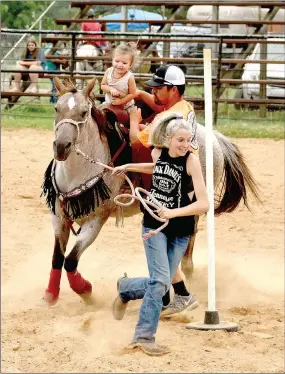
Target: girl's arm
{"type": "Point", "coordinates": [104, 86]}
{"type": "Point", "coordinates": [202, 204]}
{"type": "Point", "coordinates": [149, 100]}
{"type": "Point", "coordinates": [145, 168]}
{"type": "Point", "coordinates": [132, 91]}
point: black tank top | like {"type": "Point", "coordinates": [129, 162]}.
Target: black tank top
{"type": "Point", "coordinates": [170, 186]}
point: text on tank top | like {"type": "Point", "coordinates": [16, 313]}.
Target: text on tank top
{"type": "Point", "coordinates": [170, 187]}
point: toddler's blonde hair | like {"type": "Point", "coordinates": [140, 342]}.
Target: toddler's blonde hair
{"type": "Point", "coordinates": [128, 49]}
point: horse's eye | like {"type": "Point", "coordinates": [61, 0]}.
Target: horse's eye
{"type": "Point", "coordinates": [55, 108]}
{"type": "Point", "coordinates": [84, 113]}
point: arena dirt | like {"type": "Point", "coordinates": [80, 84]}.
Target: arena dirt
{"type": "Point", "coordinates": [73, 337]}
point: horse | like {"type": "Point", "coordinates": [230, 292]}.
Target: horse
{"type": "Point", "coordinates": [87, 50]}
{"type": "Point", "coordinates": [79, 190]}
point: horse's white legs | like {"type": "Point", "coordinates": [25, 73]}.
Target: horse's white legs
{"type": "Point", "coordinates": [89, 232]}
{"type": "Point", "coordinates": [61, 233]}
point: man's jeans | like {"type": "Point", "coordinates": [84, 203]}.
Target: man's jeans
{"type": "Point", "coordinates": [163, 257]}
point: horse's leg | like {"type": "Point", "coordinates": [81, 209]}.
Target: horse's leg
{"type": "Point", "coordinates": [89, 232]}
{"type": "Point", "coordinates": [187, 260]}
{"type": "Point", "coordinates": [61, 233]}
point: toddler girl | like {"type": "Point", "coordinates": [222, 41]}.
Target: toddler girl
{"type": "Point", "coordinates": [118, 82]}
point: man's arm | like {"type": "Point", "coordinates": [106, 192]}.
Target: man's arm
{"type": "Point", "coordinates": [135, 120]}
{"type": "Point", "coordinates": [149, 100]}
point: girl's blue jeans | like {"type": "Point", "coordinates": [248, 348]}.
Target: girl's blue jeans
{"type": "Point", "coordinates": [163, 257]}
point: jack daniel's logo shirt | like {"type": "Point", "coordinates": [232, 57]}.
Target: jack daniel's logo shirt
{"type": "Point", "coordinates": [170, 187]}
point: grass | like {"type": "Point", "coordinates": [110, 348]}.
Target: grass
{"type": "Point", "coordinates": [37, 114]}
{"type": "Point", "coordinates": [231, 122]}
{"type": "Point", "coordinates": [247, 123]}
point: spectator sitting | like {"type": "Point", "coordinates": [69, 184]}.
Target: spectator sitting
{"type": "Point", "coordinates": [96, 27]}
{"type": "Point", "coordinates": [54, 63]}
{"type": "Point", "coordinates": [33, 60]}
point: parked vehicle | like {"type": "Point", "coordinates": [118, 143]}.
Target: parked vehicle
{"type": "Point", "coordinates": [275, 52]}
{"type": "Point", "coordinates": [192, 49]}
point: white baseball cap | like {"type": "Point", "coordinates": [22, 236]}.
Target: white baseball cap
{"type": "Point", "coordinates": [167, 75]}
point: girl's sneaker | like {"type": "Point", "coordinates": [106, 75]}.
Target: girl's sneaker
{"type": "Point", "coordinates": [179, 305]}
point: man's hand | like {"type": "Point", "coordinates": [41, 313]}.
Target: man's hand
{"type": "Point", "coordinates": [136, 114]}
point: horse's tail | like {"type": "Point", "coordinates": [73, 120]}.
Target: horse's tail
{"type": "Point", "coordinates": [237, 178]}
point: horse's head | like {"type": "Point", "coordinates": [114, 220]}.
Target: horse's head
{"type": "Point", "coordinates": [72, 113]}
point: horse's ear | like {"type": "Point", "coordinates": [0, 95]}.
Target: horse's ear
{"type": "Point", "coordinates": [59, 86]}
{"type": "Point", "coordinates": [89, 87]}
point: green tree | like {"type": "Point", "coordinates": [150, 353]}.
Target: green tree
{"type": "Point", "coordinates": [21, 14]}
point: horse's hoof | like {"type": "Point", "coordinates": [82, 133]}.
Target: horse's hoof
{"type": "Point", "coordinates": [87, 288]}
{"type": "Point", "coordinates": [87, 298]}
{"type": "Point", "coordinates": [50, 299]}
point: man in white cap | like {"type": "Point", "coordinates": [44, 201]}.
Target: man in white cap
{"type": "Point", "coordinates": [95, 27]}
{"type": "Point", "coordinates": [168, 85]}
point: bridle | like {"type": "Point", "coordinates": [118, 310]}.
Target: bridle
{"type": "Point", "coordinates": [75, 123]}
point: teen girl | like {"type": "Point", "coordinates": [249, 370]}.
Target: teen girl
{"type": "Point", "coordinates": [174, 170]}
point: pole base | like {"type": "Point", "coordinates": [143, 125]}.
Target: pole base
{"type": "Point", "coordinates": [212, 322]}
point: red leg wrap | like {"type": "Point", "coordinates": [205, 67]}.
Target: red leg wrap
{"type": "Point", "coordinates": [52, 292]}
{"type": "Point", "coordinates": [77, 283]}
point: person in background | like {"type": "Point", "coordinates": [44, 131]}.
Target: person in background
{"type": "Point", "coordinates": [96, 27]}
{"type": "Point", "coordinates": [33, 59]}
{"type": "Point", "coordinates": [54, 63]}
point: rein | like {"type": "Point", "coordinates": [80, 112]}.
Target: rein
{"type": "Point", "coordinates": [74, 123]}
{"type": "Point", "coordinates": [135, 195]}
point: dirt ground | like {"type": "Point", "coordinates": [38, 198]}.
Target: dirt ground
{"type": "Point", "coordinates": [73, 337]}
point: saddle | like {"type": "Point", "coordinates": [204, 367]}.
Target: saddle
{"type": "Point", "coordinates": [115, 122]}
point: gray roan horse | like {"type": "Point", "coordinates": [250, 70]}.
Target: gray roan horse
{"type": "Point", "coordinates": [80, 191]}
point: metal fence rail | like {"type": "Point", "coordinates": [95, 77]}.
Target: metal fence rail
{"type": "Point", "coordinates": [222, 62]}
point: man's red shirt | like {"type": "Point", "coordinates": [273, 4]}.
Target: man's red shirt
{"type": "Point", "coordinates": [93, 26]}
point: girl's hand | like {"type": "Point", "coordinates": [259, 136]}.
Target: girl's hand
{"type": "Point", "coordinates": [119, 170]}
{"type": "Point", "coordinates": [22, 63]}
{"type": "Point", "coordinates": [166, 213]}
{"type": "Point", "coordinates": [116, 101]}
{"type": "Point", "coordinates": [114, 93]}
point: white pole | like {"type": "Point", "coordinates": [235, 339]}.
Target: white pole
{"type": "Point", "coordinates": [215, 30]}
{"type": "Point", "coordinates": [40, 35]}
{"type": "Point", "coordinates": [209, 178]}
{"type": "Point", "coordinates": [22, 37]}
{"type": "Point", "coordinates": [124, 13]}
